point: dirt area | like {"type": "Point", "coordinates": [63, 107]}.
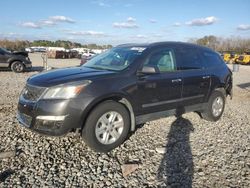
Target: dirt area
{"type": "Point", "coordinates": [170, 152]}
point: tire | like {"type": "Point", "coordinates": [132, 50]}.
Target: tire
{"type": "Point", "coordinates": [17, 66]}
{"type": "Point", "coordinates": [98, 132]}
{"type": "Point", "coordinates": [215, 106]}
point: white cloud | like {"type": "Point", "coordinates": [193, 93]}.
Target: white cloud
{"type": "Point", "coordinates": [157, 35]}
{"type": "Point", "coordinates": [87, 33]}
{"type": "Point", "coordinates": [125, 25]}
{"type": "Point", "coordinates": [15, 36]}
{"type": "Point", "coordinates": [202, 21]}
{"type": "Point", "coordinates": [141, 36]}
{"type": "Point", "coordinates": [152, 21]}
{"type": "Point", "coordinates": [30, 25]}
{"type": "Point", "coordinates": [130, 23]}
{"type": "Point", "coordinates": [61, 19]}
{"type": "Point", "coordinates": [51, 21]}
{"type": "Point", "coordinates": [9, 34]}
{"type": "Point", "coordinates": [177, 24]}
{"type": "Point", "coordinates": [131, 19]}
{"type": "Point", "coordinates": [243, 27]}
{"type": "Point", "coordinates": [47, 23]}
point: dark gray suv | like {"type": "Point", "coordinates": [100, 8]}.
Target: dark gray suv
{"type": "Point", "coordinates": [125, 86]}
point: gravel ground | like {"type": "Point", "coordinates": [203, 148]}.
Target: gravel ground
{"type": "Point", "coordinates": [185, 152]}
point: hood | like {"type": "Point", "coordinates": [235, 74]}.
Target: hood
{"type": "Point", "coordinates": [20, 53]}
{"type": "Point", "coordinates": [62, 76]}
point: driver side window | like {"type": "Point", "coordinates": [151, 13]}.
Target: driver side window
{"type": "Point", "coordinates": [162, 60]}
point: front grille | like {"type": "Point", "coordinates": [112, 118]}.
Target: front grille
{"type": "Point", "coordinates": [32, 93]}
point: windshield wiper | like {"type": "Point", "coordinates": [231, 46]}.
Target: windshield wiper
{"type": "Point", "coordinates": [100, 68]}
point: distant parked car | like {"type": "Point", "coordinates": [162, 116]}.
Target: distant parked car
{"type": "Point", "coordinates": [30, 50]}
{"type": "Point", "coordinates": [89, 54]}
{"type": "Point", "coordinates": [16, 61]}
{"type": "Point", "coordinates": [39, 49]}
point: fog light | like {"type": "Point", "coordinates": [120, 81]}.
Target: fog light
{"type": "Point", "coordinates": [47, 123]}
{"type": "Point", "coordinates": [51, 118]}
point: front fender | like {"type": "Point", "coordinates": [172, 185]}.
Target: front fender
{"type": "Point", "coordinates": [119, 97]}
{"type": "Point", "coordinates": [12, 59]}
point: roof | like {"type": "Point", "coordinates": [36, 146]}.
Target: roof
{"type": "Point", "coordinates": [155, 44]}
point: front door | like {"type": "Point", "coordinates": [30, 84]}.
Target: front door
{"type": "Point", "coordinates": [160, 91]}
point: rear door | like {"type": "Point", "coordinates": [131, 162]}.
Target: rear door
{"type": "Point", "coordinates": [215, 68]}
{"type": "Point", "coordinates": [196, 81]}
{"type": "Point", "coordinates": [160, 91]}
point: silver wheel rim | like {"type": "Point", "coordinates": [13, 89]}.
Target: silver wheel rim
{"type": "Point", "coordinates": [18, 67]}
{"type": "Point", "coordinates": [217, 106]}
{"type": "Point", "coordinates": [109, 127]}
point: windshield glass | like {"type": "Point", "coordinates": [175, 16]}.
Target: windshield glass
{"type": "Point", "coordinates": [115, 59]}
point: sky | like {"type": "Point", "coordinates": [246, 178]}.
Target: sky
{"type": "Point", "coordinates": [123, 21]}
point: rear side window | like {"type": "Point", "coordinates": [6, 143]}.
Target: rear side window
{"type": "Point", "coordinates": [162, 59]}
{"type": "Point", "coordinates": [189, 59]}
{"type": "Point", "coordinates": [211, 59]}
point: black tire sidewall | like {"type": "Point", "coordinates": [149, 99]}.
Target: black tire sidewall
{"type": "Point", "coordinates": [13, 65]}
{"type": "Point", "coordinates": [88, 132]}
{"type": "Point", "coordinates": [209, 112]}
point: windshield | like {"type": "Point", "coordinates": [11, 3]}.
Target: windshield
{"type": "Point", "coordinates": [115, 59]}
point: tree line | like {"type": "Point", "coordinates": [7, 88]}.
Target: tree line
{"type": "Point", "coordinates": [233, 44]}
{"type": "Point", "coordinates": [22, 44]}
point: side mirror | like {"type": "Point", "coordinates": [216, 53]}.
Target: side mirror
{"type": "Point", "coordinates": [148, 70]}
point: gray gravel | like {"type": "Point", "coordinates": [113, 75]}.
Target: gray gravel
{"type": "Point", "coordinates": [188, 152]}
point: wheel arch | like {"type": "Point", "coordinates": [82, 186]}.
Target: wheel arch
{"type": "Point", "coordinates": [223, 84]}
{"type": "Point", "coordinates": [11, 61]}
{"type": "Point", "coordinates": [120, 98]}
{"type": "Point", "coordinates": [219, 88]}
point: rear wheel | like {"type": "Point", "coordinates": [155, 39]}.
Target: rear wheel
{"type": "Point", "coordinates": [107, 126]}
{"type": "Point", "coordinates": [17, 66]}
{"type": "Point", "coordinates": [215, 106]}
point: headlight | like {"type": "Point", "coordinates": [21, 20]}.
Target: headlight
{"type": "Point", "coordinates": [66, 91]}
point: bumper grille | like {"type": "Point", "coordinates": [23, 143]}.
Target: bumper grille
{"type": "Point", "coordinates": [32, 93]}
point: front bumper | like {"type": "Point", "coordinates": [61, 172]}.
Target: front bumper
{"type": "Point", "coordinates": [28, 66]}
{"type": "Point", "coordinates": [50, 117]}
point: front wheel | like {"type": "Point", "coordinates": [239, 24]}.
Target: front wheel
{"type": "Point", "coordinates": [215, 106]}
{"type": "Point", "coordinates": [107, 126]}
{"type": "Point", "coordinates": [17, 67]}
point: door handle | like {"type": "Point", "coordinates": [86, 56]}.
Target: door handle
{"type": "Point", "coordinates": [176, 80]}
{"type": "Point", "coordinates": [205, 77]}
